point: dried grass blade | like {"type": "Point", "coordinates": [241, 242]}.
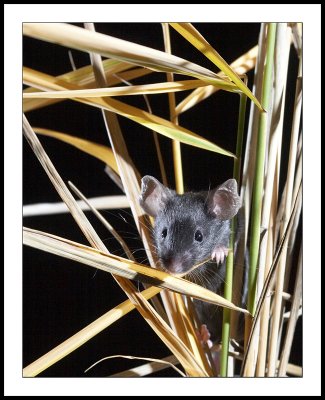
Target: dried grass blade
{"type": "Point", "coordinates": [295, 370]}
{"type": "Point", "coordinates": [142, 117]}
{"type": "Point", "coordinates": [58, 183]}
{"type": "Point", "coordinates": [153, 88]}
{"type": "Point", "coordinates": [103, 202]}
{"type": "Point", "coordinates": [103, 153]}
{"type": "Point", "coordinates": [146, 369]}
{"type": "Point", "coordinates": [120, 266]}
{"type": "Point", "coordinates": [165, 333]}
{"type": "Point", "coordinates": [162, 126]}
{"type": "Point", "coordinates": [155, 137]}
{"type": "Point", "coordinates": [188, 31]}
{"type": "Point", "coordinates": [107, 225]}
{"type": "Point", "coordinates": [34, 104]}
{"type": "Point", "coordinates": [85, 76]}
{"type": "Point", "coordinates": [241, 66]}
{"type": "Point", "coordinates": [108, 46]}
{"type": "Point", "coordinates": [81, 337]}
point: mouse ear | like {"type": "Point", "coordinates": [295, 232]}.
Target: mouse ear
{"type": "Point", "coordinates": [224, 201]}
{"type": "Point", "coordinates": [154, 195]}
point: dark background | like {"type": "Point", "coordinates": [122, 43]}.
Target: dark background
{"type": "Point", "coordinates": [61, 297]}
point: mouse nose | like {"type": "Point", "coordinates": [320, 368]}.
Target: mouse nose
{"type": "Point", "coordinates": [173, 265]}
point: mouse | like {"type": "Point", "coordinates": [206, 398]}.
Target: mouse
{"type": "Point", "coordinates": [193, 229]}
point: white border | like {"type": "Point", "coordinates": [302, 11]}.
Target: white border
{"type": "Point", "coordinates": [163, 12]}
{"type": "Point", "coordinates": [14, 15]}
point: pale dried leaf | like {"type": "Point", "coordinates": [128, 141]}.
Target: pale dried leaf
{"type": "Point", "coordinates": [120, 266]}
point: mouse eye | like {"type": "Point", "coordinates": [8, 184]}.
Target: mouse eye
{"type": "Point", "coordinates": [198, 236]}
{"type": "Point", "coordinates": [164, 233]}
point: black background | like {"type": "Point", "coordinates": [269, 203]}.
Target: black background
{"type": "Point", "coordinates": [60, 297]}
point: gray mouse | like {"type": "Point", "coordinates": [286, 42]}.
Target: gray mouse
{"type": "Point", "coordinates": [190, 229]}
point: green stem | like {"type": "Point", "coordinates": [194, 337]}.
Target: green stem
{"type": "Point", "coordinates": [230, 258]}
{"type": "Point", "coordinates": [259, 170]}
{"type": "Point", "coordinates": [226, 311]}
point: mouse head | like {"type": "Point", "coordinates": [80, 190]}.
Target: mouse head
{"type": "Point", "coordinates": [188, 227]}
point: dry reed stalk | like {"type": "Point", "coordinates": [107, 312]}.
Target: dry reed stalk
{"type": "Point", "coordinates": [177, 155]}
{"type": "Point", "coordinates": [101, 202]}
{"type": "Point", "coordinates": [269, 282]}
{"type": "Point", "coordinates": [297, 297]}
{"type": "Point", "coordinates": [265, 312]}
{"type": "Point", "coordinates": [293, 236]}
{"type": "Point", "coordinates": [282, 49]}
{"type": "Point", "coordinates": [288, 207]}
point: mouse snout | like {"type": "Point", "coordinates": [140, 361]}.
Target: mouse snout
{"type": "Point", "coordinates": [175, 265]}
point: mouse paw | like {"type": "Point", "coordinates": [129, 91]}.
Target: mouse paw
{"type": "Point", "coordinates": [219, 254]}
{"type": "Point", "coordinates": [204, 335]}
